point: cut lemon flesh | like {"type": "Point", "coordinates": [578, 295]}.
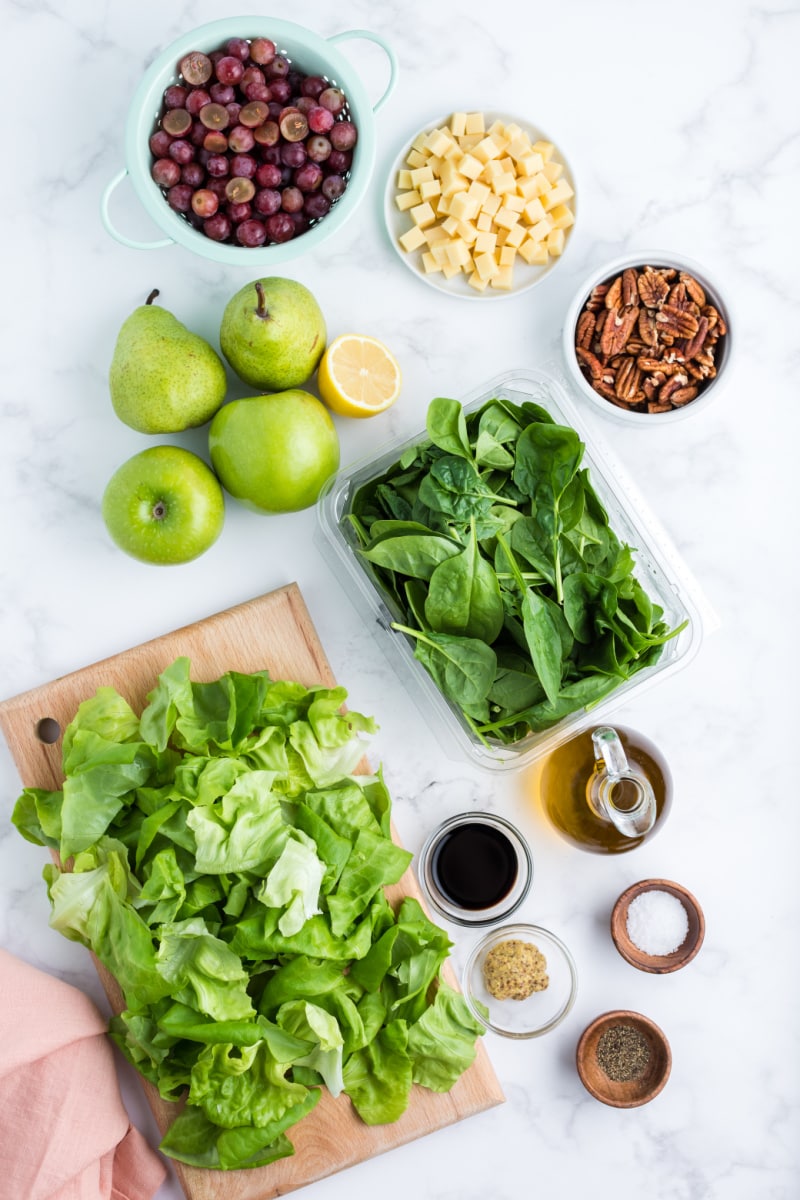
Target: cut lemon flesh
{"type": "Point", "coordinates": [358, 376]}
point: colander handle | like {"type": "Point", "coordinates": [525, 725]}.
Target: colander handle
{"type": "Point", "coordinates": [366, 35]}
{"type": "Point", "coordinates": [111, 228]}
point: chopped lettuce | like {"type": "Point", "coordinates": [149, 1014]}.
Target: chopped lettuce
{"type": "Point", "coordinates": [228, 868]}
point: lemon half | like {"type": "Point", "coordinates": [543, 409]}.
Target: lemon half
{"type": "Point", "coordinates": [358, 376]}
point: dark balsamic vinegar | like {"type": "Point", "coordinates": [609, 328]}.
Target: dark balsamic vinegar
{"type": "Point", "coordinates": [474, 866]}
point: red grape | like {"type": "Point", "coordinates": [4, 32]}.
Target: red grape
{"type": "Point", "coordinates": [262, 50]}
{"type": "Point", "coordinates": [229, 69]}
{"type": "Point", "coordinates": [280, 227]}
{"type": "Point", "coordinates": [204, 202]}
{"type": "Point", "coordinates": [241, 139]}
{"type": "Point", "coordinates": [238, 48]}
{"type": "Point", "coordinates": [240, 189]}
{"type": "Point", "coordinates": [258, 91]}
{"type": "Point", "coordinates": [333, 186]}
{"type": "Point", "coordinates": [312, 85]}
{"type": "Point", "coordinates": [243, 165]}
{"type": "Point", "coordinates": [251, 75]}
{"type": "Point", "coordinates": [197, 99]}
{"type": "Point", "coordinates": [268, 175]}
{"type": "Point", "coordinates": [332, 99]}
{"type": "Point", "coordinates": [175, 96]}
{"type": "Point", "coordinates": [217, 165]}
{"type": "Point", "coordinates": [267, 201]}
{"type": "Point", "coordinates": [239, 212]}
{"type": "Point", "coordinates": [291, 199]}
{"type": "Point", "coordinates": [215, 141]}
{"type": "Point", "coordinates": [308, 177]}
{"type": "Point", "coordinates": [316, 205]}
{"type": "Point", "coordinates": [193, 174]}
{"type": "Point", "coordinates": [179, 197]}
{"type": "Point", "coordinates": [233, 112]}
{"type": "Point", "coordinates": [320, 119]}
{"type": "Point", "coordinates": [196, 67]}
{"type": "Point", "coordinates": [340, 161]}
{"type": "Point", "coordinates": [267, 134]}
{"type": "Point", "coordinates": [318, 148]}
{"type": "Point", "coordinates": [221, 93]}
{"type": "Point", "coordinates": [280, 90]}
{"type": "Point", "coordinates": [343, 135]}
{"type": "Point", "coordinates": [165, 172]}
{"type": "Point", "coordinates": [293, 154]}
{"type": "Point", "coordinates": [293, 125]}
{"type": "Point", "coordinates": [176, 122]}
{"type": "Point", "coordinates": [278, 67]}
{"type": "Point", "coordinates": [251, 233]}
{"type": "Point", "coordinates": [216, 116]}
{"type": "Point", "coordinates": [253, 114]}
{"type": "Point", "coordinates": [182, 152]}
{"type": "Point", "coordinates": [218, 227]}
{"type": "Point", "coordinates": [160, 143]}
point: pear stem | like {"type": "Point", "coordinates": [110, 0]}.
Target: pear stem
{"type": "Point", "coordinates": [152, 296]}
{"type": "Point", "coordinates": [261, 308]}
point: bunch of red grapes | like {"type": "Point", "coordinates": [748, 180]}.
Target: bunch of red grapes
{"type": "Point", "coordinates": [249, 149]}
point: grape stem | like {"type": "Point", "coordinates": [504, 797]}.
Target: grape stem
{"type": "Point", "coordinates": [152, 296]}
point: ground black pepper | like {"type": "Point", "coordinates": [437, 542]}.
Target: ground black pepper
{"type": "Point", "coordinates": [623, 1053]}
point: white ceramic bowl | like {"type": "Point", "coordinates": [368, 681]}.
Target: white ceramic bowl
{"type": "Point", "coordinates": [709, 392]}
{"type": "Point", "coordinates": [397, 222]}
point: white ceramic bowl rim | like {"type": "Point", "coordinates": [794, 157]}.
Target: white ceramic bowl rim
{"type": "Point", "coordinates": [655, 258]}
{"type": "Point", "coordinates": [313, 53]}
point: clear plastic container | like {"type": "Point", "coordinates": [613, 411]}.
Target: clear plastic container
{"type": "Point", "coordinates": [658, 567]}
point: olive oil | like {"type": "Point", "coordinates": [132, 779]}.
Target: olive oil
{"type": "Point", "coordinates": [563, 780]}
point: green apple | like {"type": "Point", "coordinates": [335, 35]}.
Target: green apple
{"type": "Point", "coordinates": [164, 505]}
{"type": "Point", "coordinates": [163, 378]}
{"type": "Point", "coordinates": [273, 334]}
{"type": "Point", "coordinates": [273, 453]}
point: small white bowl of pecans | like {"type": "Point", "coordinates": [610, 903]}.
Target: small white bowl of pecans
{"type": "Point", "coordinates": [647, 338]}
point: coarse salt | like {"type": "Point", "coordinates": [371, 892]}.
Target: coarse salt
{"type": "Point", "coordinates": [657, 922]}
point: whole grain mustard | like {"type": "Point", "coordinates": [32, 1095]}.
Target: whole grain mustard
{"type": "Point", "coordinates": [514, 970]}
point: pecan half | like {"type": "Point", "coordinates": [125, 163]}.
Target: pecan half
{"type": "Point", "coordinates": [597, 298]}
{"type": "Point", "coordinates": [614, 293]}
{"type": "Point", "coordinates": [693, 288]}
{"type": "Point", "coordinates": [695, 344]}
{"type": "Point", "coordinates": [630, 290]}
{"type": "Point", "coordinates": [677, 322]}
{"type": "Point", "coordinates": [653, 288]}
{"type": "Point", "coordinates": [648, 330]}
{"type": "Point", "coordinates": [683, 395]}
{"type": "Point", "coordinates": [585, 330]}
{"type": "Point", "coordinates": [617, 329]}
{"type": "Point", "coordinates": [628, 380]}
{"type": "Point", "coordinates": [590, 361]}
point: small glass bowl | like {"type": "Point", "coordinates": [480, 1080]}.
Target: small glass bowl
{"type": "Point", "coordinates": [541, 1011]}
{"type": "Point", "coordinates": [508, 837]}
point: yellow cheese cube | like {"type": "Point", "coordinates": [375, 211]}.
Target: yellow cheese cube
{"type": "Point", "coordinates": [562, 216]}
{"type": "Point", "coordinates": [553, 170]}
{"type": "Point", "coordinates": [483, 222]}
{"type": "Point", "coordinates": [491, 171]}
{"type": "Point", "coordinates": [458, 252]}
{"type": "Point", "coordinates": [448, 270]}
{"type": "Point", "coordinates": [419, 141]}
{"type": "Point", "coordinates": [504, 218]}
{"type": "Point", "coordinates": [463, 206]}
{"type": "Point", "coordinates": [557, 194]}
{"type": "Point", "coordinates": [540, 230]}
{"type": "Point", "coordinates": [468, 141]}
{"type": "Point", "coordinates": [430, 264]}
{"type": "Point", "coordinates": [439, 252]}
{"type": "Point", "coordinates": [454, 152]}
{"type": "Point", "coordinates": [421, 175]}
{"type": "Point", "coordinates": [546, 149]}
{"type": "Point", "coordinates": [491, 204]}
{"type": "Point", "coordinates": [416, 159]}
{"type": "Point", "coordinates": [458, 124]}
{"type": "Point", "coordinates": [475, 281]}
{"type": "Point", "coordinates": [478, 191]}
{"type": "Point", "coordinates": [405, 200]}
{"type": "Point", "coordinates": [530, 164]}
{"type": "Point", "coordinates": [436, 233]}
{"type": "Point", "coordinates": [555, 242]}
{"type": "Point", "coordinates": [442, 206]}
{"type": "Point", "coordinates": [486, 149]}
{"type": "Point", "coordinates": [507, 255]}
{"type": "Point", "coordinates": [506, 181]}
{"type": "Point", "coordinates": [541, 184]}
{"type": "Point", "coordinates": [470, 166]}
{"type": "Point", "coordinates": [528, 187]}
{"type": "Point", "coordinates": [467, 231]}
{"type": "Point", "coordinates": [504, 279]}
{"type": "Point", "coordinates": [430, 189]}
{"type": "Point", "coordinates": [513, 130]}
{"type": "Point", "coordinates": [513, 201]}
{"type": "Point", "coordinates": [450, 226]}
{"type": "Point", "coordinates": [412, 239]}
{"type": "Point", "coordinates": [474, 123]}
{"type": "Point", "coordinates": [452, 179]}
{"type": "Point", "coordinates": [485, 242]}
{"type": "Point", "coordinates": [518, 147]}
{"type": "Point", "coordinates": [516, 235]}
{"type": "Point", "coordinates": [534, 211]}
{"type": "Point", "coordinates": [438, 141]}
{"type": "Point", "coordinates": [534, 253]}
{"type": "Point", "coordinates": [404, 179]}
{"type": "Point", "coordinates": [486, 265]}
{"type": "Point", "coordinates": [422, 214]}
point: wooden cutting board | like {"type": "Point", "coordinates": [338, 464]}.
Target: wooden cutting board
{"type": "Point", "coordinates": [273, 632]}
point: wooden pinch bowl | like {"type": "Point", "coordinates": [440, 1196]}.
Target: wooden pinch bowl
{"type": "Point", "coordinates": [629, 1093]}
{"type": "Point", "coordinates": [658, 964]}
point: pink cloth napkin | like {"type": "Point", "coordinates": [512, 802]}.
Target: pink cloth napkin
{"type": "Point", "coordinates": [64, 1132]}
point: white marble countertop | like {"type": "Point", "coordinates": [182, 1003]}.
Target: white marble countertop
{"type": "Point", "coordinates": [681, 125]}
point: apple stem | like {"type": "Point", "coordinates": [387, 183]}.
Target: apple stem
{"type": "Point", "coordinates": [152, 296]}
{"type": "Point", "coordinates": [261, 308]}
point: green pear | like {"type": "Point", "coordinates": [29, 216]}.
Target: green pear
{"type": "Point", "coordinates": [164, 378]}
{"type": "Point", "coordinates": [273, 334]}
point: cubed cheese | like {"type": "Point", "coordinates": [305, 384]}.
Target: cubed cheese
{"type": "Point", "coordinates": [516, 235]}
{"type": "Point", "coordinates": [412, 239]}
{"type": "Point", "coordinates": [474, 123]}
{"type": "Point", "coordinates": [429, 263]}
{"type": "Point", "coordinates": [438, 141]}
{"type": "Point", "coordinates": [421, 175]}
{"type": "Point", "coordinates": [406, 200]}
{"type": "Point", "coordinates": [486, 265]}
{"type": "Point", "coordinates": [504, 279]}
{"type": "Point", "coordinates": [562, 216]}
{"type": "Point", "coordinates": [470, 166]}
{"type": "Point", "coordinates": [485, 243]}
{"type": "Point", "coordinates": [458, 124]}
{"type": "Point", "coordinates": [422, 214]}
{"type": "Point", "coordinates": [534, 253]}
{"type": "Point", "coordinates": [404, 179]}
{"type": "Point", "coordinates": [555, 242]}
{"type": "Point", "coordinates": [430, 189]}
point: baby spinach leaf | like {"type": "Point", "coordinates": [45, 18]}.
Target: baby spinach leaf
{"type": "Point", "coordinates": [544, 641]}
{"type": "Point", "coordinates": [415, 554]}
{"type": "Point", "coordinates": [464, 595]}
{"type": "Point", "coordinates": [447, 427]}
{"type": "Point", "coordinates": [464, 668]}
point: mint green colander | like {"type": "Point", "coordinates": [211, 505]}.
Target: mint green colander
{"type": "Point", "coordinates": [312, 54]}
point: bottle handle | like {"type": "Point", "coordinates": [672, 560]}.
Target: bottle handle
{"type": "Point", "coordinates": [368, 36]}
{"type": "Point", "coordinates": [111, 227]}
{"type": "Point", "coordinates": [618, 777]}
